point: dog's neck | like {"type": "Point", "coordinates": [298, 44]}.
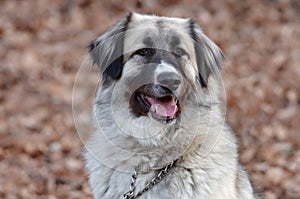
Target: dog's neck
{"type": "Point", "coordinates": [127, 154]}
{"type": "Point", "coordinates": [146, 159]}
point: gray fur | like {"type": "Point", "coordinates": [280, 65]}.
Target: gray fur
{"type": "Point", "coordinates": [123, 142]}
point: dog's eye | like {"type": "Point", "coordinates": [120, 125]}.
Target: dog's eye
{"type": "Point", "coordinates": [179, 52]}
{"type": "Point", "coordinates": [145, 52]}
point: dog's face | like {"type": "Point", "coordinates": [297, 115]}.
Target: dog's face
{"type": "Point", "coordinates": [157, 73]}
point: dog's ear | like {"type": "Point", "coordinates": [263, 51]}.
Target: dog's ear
{"type": "Point", "coordinates": [107, 50]}
{"type": "Point", "coordinates": [209, 57]}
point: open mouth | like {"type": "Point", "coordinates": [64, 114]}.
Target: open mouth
{"type": "Point", "coordinates": [157, 100]}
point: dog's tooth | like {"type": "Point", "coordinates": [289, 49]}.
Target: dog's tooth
{"type": "Point", "coordinates": [153, 109]}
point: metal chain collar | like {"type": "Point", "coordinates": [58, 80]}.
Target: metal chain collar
{"type": "Point", "coordinates": [160, 175]}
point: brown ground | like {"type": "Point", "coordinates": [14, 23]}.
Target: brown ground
{"type": "Point", "coordinates": [43, 43]}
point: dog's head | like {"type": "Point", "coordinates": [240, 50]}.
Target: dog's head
{"type": "Point", "coordinates": [157, 73]}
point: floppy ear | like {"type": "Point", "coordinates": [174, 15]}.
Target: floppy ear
{"type": "Point", "coordinates": [107, 50]}
{"type": "Point", "coordinates": [209, 57]}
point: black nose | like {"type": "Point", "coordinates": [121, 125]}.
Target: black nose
{"type": "Point", "coordinates": [170, 80]}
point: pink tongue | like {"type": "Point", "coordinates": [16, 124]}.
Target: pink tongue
{"type": "Point", "coordinates": [163, 108]}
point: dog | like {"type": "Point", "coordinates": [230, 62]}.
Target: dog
{"type": "Point", "coordinates": [160, 131]}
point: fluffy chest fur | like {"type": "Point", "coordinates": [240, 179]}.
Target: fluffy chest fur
{"type": "Point", "coordinates": [214, 176]}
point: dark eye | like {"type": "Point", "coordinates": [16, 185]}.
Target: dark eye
{"type": "Point", "coordinates": [179, 52]}
{"type": "Point", "coordinates": [145, 52]}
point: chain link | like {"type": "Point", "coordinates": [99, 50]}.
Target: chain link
{"type": "Point", "coordinates": [160, 175]}
{"type": "Point", "coordinates": [130, 193]}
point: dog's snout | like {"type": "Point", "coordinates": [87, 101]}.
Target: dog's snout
{"type": "Point", "coordinates": [170, 80]}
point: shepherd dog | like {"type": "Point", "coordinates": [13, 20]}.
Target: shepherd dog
{"type": "Point", "coordinates": [160, 130]}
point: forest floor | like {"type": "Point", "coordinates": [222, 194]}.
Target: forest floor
{"type": "Point", "coordinates": [44, 43]}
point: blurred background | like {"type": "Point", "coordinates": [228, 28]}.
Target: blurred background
{"type": "Point", "coordinates": [43, 43]}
